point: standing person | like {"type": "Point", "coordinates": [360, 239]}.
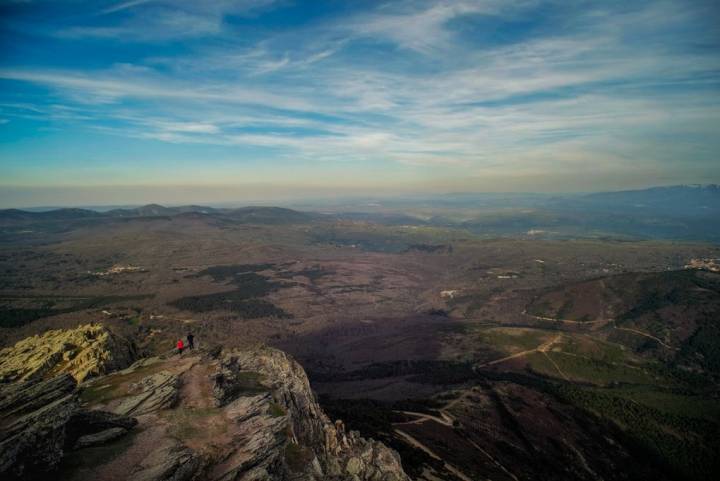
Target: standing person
{"type": "Point", "coordinates": [191, 340]}
{"type": "Point", "coordinates": [180, 346]}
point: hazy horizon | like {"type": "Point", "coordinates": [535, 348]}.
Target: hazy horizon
{"type": "Point", "coordinates": [235, 196]}
{"type": "Point", "coordinates": [143, 101]}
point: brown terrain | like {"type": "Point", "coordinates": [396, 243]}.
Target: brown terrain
{"type": "Point", "coordinates": [474, 358]}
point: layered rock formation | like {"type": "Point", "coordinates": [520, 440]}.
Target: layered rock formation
{"type": "Point", "coordinates": [40, 420]}
{"type": "Point", "coordinates": [233, 415]}
{"type": "Point", "coordinates": [286, 435]}
{"type": "Point", "coordinates": [87, 351]}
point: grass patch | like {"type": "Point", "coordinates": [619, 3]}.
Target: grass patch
{"type": "Point", "coordinates": [595, 349]}
{"type": "Point", "coordinates": [248, 383]}
{"type": "Point", "coordinates": [275, 410]}
{"type": "Point", "coordinates": [511, 340]}
{"type": "Point", "coordinates": [539, 363]}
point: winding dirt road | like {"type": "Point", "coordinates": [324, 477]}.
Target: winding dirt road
{"type": "Point", "coordinates": [544, 347]}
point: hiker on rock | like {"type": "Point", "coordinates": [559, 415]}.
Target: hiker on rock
{"type": "Point", "coordinates": [180, 346]}
{"type": "Point", "coordinates": [190, 341]}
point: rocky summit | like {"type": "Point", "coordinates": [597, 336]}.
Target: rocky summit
{"type": "Point", "coordinates": [90, 350]}
{"type": "Point", "coordinates": [222, 415]}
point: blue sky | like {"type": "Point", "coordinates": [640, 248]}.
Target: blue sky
{"type": "Point", "coordinates": [151, 100]}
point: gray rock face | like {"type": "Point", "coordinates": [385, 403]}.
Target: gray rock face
{"type": "Point", "coordinates": [21, 398]}
{"type": "Point", "coordinates": [154, 392]}
{"type": "Point", "coordinates": [244, 415]}
{"type": "Point", "coordinates": [172, 463]}
{"type": "Point", "coordinates": [33, 416]}
{"type": "Point", "coordinates": [99, 438]}
{"type": "Point", "coordinates": [286, 433]}
{"type": "Point", "coordinates": [92, 428]}
{"type": "Point", "coordinates": [40, 420]}
{"type": "Point", "coordinates": [262, 438]}
{"type": "Point", "coordinates": [93, 421]}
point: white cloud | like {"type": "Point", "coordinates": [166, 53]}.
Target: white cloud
{"type": "Point", "coordinates": [160, 20]}
{"type": "Point", "coordinates": [106, 87]}
{"type": "Point", "coordinates": [423, 29]}
{"type": "Point", "coordinates": [549, 101]}
{"type": "Point", "coordinates": [124, 6]}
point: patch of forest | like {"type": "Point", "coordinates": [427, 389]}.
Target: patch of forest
{"type": "Point", "coordinates": [430, 248]}
{"type": "Point", "coordinates": [243, 301]}
{"type": "Point", "coordinates": [235, 271]}
{"type": "Point", "coordinates": [311, 273]}
{"type": "Point", "coordinates": [14, 316]}
{"type": "Point", "coordinates": [688, 445]}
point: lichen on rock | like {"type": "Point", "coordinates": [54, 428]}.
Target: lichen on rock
{"type": "Point", "coordinates": [87, 351]}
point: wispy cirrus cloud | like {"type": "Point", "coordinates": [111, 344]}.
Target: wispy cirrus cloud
{"type": "Point", "coordinates": [424, 29]}
{"type": "Point", "coordinates": [163, 20]}
{"type": "Point", "coordinates": [470, 86]}
{"type": "Point", "coordinates": [120, 6]}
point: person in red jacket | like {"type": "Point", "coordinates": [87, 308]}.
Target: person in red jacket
{"type": "Point", "coordinates": [180, 346]}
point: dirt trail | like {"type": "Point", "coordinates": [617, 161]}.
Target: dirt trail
{"type": "Point", "coordinates": [196, 391]}
{"type": "Point", "coordinates": [206, 427]}
{"type": "Point", "coordinates": [541, 348]}
{"type": "Point", "coordinates": [445, 419]}
{"type": "Point", "coordinates": [604, 322]}
{"type": "Point", "coordinates": [570, 321]}
{"type": "Point", "coordinates": [557, 368]}
{"type": "Point", "coordinates": [645, 334]}
{"type": "Point", "coordinates": [417, 444]}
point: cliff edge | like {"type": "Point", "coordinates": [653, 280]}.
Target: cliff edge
{"type": "Point", "coordinates": [226, 415]}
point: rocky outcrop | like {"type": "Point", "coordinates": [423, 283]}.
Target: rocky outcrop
{"type": "Point", "coordinates": [170, 463]}
{"type": "Point", "coordinates": [241, 415]}
{"type": "Point", "coordinates": [102, 437]}
{"type": "Point", "coordinates": [41, 419]}
{"type": "Point", "coordinates": [286, 435]}
{"type": "Point", "coordinates": [89, 350]}
{"type": "Point", "coordinates": [152, 393]}
{"type": "Point", "coordinates": [33, 416]}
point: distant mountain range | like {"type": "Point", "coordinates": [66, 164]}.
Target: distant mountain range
{"type": "Point", "coordinates": [259, 215]}
{"type": "Point", "coordinates": [682, 212]}
{"type": "Point", "coordinates": [683, 200]}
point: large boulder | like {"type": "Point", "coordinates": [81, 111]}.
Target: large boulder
{"type": "Point", "coordinates": [89, 350]}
